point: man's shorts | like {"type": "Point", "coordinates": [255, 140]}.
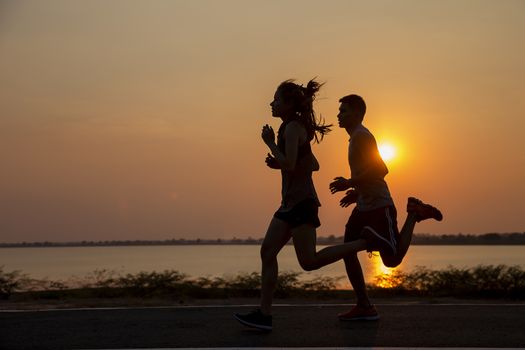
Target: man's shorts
{"type": "Point", "coordinates": [378, 227]}
{"type": "Point", "coordinates": [304, 212]}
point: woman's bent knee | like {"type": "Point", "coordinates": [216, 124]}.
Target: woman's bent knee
{"type": "Point", "coordinates": [308, 265]}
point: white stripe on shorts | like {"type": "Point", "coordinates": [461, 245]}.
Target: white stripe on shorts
{"type": "Point", "coordinates": [392, 234]}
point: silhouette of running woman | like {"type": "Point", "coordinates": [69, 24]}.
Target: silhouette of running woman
{"type": "Point", "coordinates": [374, 218]}
{"type": "Point", "coordinates": [297, 217]}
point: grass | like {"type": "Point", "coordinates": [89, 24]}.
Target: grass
{"type": "Point", "coordinates": [483, 281]}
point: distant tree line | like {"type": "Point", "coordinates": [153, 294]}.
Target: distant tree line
{"type": "Point", "coordinates": [180, 241]}
{"type": "Point", "coordinates": [515, 238]}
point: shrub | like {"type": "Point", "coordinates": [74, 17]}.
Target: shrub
{"type": "Point", "coordinates": [11, 282]}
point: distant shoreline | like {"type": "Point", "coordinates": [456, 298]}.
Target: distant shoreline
{"type": "Point", "coordinates": [515, 238]}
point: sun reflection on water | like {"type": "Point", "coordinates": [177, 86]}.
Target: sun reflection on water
{"type": "Point", "coordinates": [385, 277]}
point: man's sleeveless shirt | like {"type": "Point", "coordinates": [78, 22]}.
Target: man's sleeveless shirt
{"type": "Point", "coordinates": [374, 193]}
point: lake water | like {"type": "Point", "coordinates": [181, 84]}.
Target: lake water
{"type": "Point", "coordinates": [228, 260]}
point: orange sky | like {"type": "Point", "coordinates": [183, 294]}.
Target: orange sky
{"type": "Point", "coordinates": [141, 120]}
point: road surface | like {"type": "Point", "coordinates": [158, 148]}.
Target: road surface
{"type": "Point", "coordinates": [401, 325]}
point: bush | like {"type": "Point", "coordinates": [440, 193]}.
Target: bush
{"type": "Point", "coordinates": [481, 281]}
{"type": "Point", "coordinates": [11, 282]}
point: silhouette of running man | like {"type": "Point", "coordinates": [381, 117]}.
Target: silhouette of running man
{"type": "Point", "coordinates": [374, 218]}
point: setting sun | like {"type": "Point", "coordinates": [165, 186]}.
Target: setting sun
{"type": "Point", "coordinates": [387, 151]}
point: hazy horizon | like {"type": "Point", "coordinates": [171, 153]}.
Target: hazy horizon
{"type": "Point", "coordinates": [131, 120]}
{"type": "Point", "coordinates": [252, 238]}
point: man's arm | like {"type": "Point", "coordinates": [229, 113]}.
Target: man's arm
{"type": "Point", "coordinates": [374, 166]}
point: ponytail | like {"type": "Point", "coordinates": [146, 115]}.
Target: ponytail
{"type": "Point", "coordinates": [303, 98]}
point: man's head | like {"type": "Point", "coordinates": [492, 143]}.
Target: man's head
{"type": "Point", "coordinates": [351, 111]}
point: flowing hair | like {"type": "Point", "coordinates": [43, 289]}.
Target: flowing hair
{"type": "Point", "coordinates": [302, 99]}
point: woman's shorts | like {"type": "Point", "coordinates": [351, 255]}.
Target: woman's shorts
{"type": "Point", "coordinates": [378, 227]}
{"type": "Point", "coordinates": [304, 212]}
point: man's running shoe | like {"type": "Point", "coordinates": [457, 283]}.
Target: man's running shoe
{"type": "Point", "coordinates": [255, 319]}
{"type": "Point", "coordinates": [423, 211]}
{"type": "Point", "coordinates": [359, 313]}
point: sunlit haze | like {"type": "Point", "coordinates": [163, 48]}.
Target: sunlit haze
{"type": "Point", "coordinates": [387, 151]}
{"type": "Point", "coordinates": [141, 119]}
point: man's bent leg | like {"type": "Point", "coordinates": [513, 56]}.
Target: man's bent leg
{"type": "Point", "coordinates": [403, 243]}
{"type": "Point", "coordinates": [417, 211]}
{"type": "Point", "coordinates": [357, 279]}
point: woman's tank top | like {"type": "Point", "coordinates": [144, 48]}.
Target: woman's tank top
{"type": "Point", "coordinates": [297, 184]}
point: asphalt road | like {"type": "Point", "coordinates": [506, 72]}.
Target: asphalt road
{"type": "Point", "coordinates": [401, 325]}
